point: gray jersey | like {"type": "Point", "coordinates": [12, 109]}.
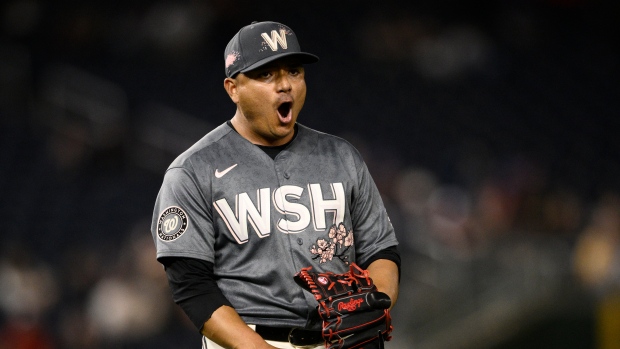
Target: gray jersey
{"type": "Point", "coordinates": [260, 220]}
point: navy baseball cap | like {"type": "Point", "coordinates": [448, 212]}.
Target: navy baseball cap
{"type": "Point", "coordinates": [260, 43]}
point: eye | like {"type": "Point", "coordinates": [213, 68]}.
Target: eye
{"type": "Point", "coordinates": [265, 74]}
{"type": "Point", "coordinates": [295, 71]}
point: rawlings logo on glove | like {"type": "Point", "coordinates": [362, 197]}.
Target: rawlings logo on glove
{"type": "Point", "coordinates": [355, 315]}
{"type": "Point", "coordinates": [352, 305]}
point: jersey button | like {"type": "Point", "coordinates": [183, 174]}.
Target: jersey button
{"type": "Point", "coordinates": [300, 241]}
{"type": "Point", "coordinates": [286, 175]}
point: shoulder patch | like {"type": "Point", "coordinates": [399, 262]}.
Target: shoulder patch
{"type": "Point", "coordinates": [172, 223]}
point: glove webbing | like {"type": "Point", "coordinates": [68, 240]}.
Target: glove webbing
{"type": "Point", "coordinates": [349, 278]}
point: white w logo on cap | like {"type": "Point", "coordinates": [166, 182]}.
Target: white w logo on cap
{"type": "Point", "coordinates": [275, 39]}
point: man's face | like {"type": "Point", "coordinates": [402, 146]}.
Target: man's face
{"type": "Point", "coordinates": [270, 99]}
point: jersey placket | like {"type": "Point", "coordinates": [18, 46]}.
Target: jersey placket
{"type": "Point", "coordinates": [283, 175]}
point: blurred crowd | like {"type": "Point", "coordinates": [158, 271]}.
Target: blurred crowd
{"type": "Point", "coordinates": [487, 127]}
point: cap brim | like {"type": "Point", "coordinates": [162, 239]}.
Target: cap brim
{"type": "Point", "coordinates": [304, 58]}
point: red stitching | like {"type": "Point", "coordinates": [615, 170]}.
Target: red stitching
{"type": "Point", "coordinates": [362, 273]}
{"type": "Point", "coordinates": [313, 287]}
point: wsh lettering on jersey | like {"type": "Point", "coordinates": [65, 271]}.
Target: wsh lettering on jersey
{"type": "Point", "coordinates": [287, 203]}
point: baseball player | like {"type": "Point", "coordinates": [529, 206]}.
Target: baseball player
{"type": "Point", "coordinates": [261, 197]}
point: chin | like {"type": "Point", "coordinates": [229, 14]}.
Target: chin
{"type": "Point", "coordinates": [284, 131]}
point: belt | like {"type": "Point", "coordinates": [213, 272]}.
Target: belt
{"type": "Point", "coordinates": [294, 335]}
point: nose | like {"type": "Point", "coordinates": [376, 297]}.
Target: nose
{"type": "Point", "coordinates": [284, 85]}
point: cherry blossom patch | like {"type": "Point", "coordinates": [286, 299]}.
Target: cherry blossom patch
{"type": "Point", "coordinates": [335, 245]}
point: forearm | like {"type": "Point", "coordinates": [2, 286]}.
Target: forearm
{"type": "Point", "coordinates": [226, 328]}
{"type": "Point", "coordinates": [384, 274]}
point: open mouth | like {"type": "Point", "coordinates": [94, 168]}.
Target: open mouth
{"type": "Point", "coordinates": [285, 111]}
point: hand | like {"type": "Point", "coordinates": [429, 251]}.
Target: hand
{"type": "Point", "coordinates": [226, 328]}
{"type": "Point", "coordinates": [354, 313]}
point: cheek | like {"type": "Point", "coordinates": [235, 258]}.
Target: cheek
{"type": "Point", "coordinates": [252, 104]}
{"type": "Point", "coordinates": [299, 104]}
{"type": "Point", "coordinates": [300, 98]}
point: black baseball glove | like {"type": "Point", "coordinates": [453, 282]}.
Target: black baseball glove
{"type": "Point", "coordinates": [354, 313]}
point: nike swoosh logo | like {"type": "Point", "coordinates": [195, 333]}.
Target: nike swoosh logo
{"type": "Point", "coordinates": [221, 174]}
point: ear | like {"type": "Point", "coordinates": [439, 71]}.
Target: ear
{"type": "Point", "coordinates": [230, 85]}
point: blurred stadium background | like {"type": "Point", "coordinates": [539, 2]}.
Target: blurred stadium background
{"type": "Point", "coordinates": [490, 128]}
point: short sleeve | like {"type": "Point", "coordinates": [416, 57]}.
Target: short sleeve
{"type": "Point", "coordinates": [374, 231]}
{"type": "Point", "coordinates": [182, 224]}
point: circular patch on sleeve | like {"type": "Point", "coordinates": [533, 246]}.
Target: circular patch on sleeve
{"type": "Point", "coordinates": [172, 223]}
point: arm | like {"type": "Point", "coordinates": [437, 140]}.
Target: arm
{"type": "Point", "coordinates": [196, 292]}
{"type": "Point", "coordinates": [226, 328]}
{"type": "Point", "coordinates": [384, 274]}
{"type": "Point", "coordinates": [192, 280]}
{"type": "Point", "coordinates": [371, 221]}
